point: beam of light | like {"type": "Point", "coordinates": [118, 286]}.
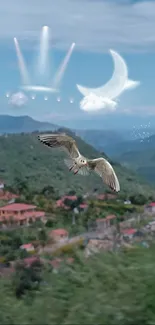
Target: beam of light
{"type": "Point", "coordinates": [45, 98]}
{"type": "Point", "coordinates": [58, 99]}
{"type": "Point", "coordinates": [7, 95]}
{"type": "Point", "coordinates": [22, 66]}
{"type": "Point", "coordinates": [43, 53]}
{"type": "Point", "coordinates": [39, 89]}
{"type": "Point", "coordinates": [33, 97]}
{"type": "Point", "coordinates": [60, 73]}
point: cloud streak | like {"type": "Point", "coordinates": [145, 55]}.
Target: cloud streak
{"type": "Point", "coordinates": [93, 25]}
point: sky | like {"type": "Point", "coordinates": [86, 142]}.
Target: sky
{"type": "Point", "coordinates": [95, 26]}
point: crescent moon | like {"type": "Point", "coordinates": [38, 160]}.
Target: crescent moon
{"type": "Point", "coordinates": [114, 87]}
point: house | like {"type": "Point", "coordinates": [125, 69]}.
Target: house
{"type": "Point", "coordinates": [7, 196]}
{"type": "Point", "coordinates": [83, 206]}
{"type": "Point", "coordinates": [129, 233]}
{"type": "Point", "coordinates": [150, 208]}
{"type": "Point", "coordinates": [60, 203]}
{"type": "Point", "coordinates": [27, 247]}
{"type": "Point", "coordinates": [110, 219]}
{"type": "Point", "coordinates": [59, 235]}
{"type": "Point", "coordinates": [20, 213]}
{"type": "Point", "coordinates": [104, 223]}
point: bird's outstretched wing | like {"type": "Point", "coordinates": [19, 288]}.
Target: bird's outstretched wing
{"type": "Point", "coordinates": [103, 168]}
{"type": "Point", "coordinates": [60, 141]}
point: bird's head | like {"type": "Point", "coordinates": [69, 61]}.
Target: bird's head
{"type": "Point", "coordinates": [82, 162]}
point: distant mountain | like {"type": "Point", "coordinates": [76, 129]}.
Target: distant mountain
{"type": "Point", "coordinates": [125, 147]}
{"type": "Point", "coordinates": [26, 124]}
{"type": "Point", "coordinates": [100, 139]}
{"type": "Point", "coordinates": [138, 155]}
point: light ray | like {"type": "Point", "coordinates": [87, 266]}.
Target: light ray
{"type": "Point", "coordinates": [22, 66]}
{"type": "Point", "coordinates": [60, 73]}
{"type": "Point", "coordinates": [43, 53]}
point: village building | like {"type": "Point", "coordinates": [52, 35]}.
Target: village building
{"type": "Point", "coordinates": [28, 247]}
{"type": "Point", "coordinates": [129, 233]}
{"type": "Point", "coordinates": [104, 223]}
{"type": "Point", "coordinates": [150, 208]}
{"type": "Point", "coordinates": [59, 235]}
{"type": "Point", "coordinates": [20, 214]}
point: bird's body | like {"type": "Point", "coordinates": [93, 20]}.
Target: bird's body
{"type": "Point", "coordinates": [80, 164]}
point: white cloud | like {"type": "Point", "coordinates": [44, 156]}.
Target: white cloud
{"type": "Point", "coordinates": [131, 84]}
{"type": "Point", "coordinates": [93, 25]}
{"type": "Point", "coordinates": [93, 103]}
{"type": "Point", "coordinates": [18, 99]}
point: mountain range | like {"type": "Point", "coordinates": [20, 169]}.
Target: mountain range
{"type": "Point", "coordinates": [138, 155]}
{"type": "Point", "coordinates": [26, 124]}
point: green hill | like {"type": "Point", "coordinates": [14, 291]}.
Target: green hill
{"type": "Point", "coordinates": [24, 156]}
{"type": "Point", "coordinates": [138, 156]}
{"type": "Point", "coordinates": [141, 161]}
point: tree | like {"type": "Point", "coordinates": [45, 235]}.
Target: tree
{"type": "Point", "coordinates": [26, 278]}
{"type": "Point", "coordinates": [138, 199]}
{"type": "Point", "coordinates": [42, 236]}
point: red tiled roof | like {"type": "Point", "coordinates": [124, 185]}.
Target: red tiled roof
{"type": "Point", "coordinates": [110, 217]}
{"type": "Point", "coordinates": [60, 204]}
{"type": "Point", "coordinates": [17, 207]}
{"type": "Point", "coordinates": [26, 246]}
{"type": "Point", "coordinates": [152, 204]}
{"type": "Point", "coordinates": [59, 232]}
{"type": "Point", "coordinates": [69, 197]}
{"type": "Point", "coordinates": [83, 205]}
{"type": "Point", "coordinates": [129, 231]}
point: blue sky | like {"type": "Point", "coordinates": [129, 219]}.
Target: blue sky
{"type": "Point", "coordinates": [96, 26]}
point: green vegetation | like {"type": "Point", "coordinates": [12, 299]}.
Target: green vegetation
{"type": "Point", "coordinates": [23, 157]}
{"type": "Point", "coordinates": [104, 289]}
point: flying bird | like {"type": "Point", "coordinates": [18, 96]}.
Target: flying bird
{"type": "Point", "coordinates": [80, 164]}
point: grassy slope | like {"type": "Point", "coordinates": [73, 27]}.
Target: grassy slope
{"type": "Point", "coordinates": [41, 166]}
